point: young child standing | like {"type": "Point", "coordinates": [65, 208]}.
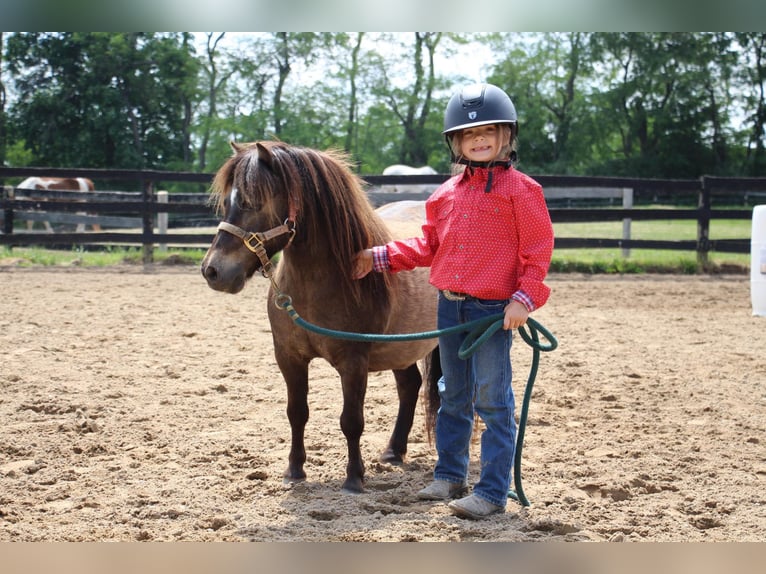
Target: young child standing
{"type": "Point", "coordinates": [488, 239]}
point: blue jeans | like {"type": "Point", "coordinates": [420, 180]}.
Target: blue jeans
{"type": "Point", "coordinates": [482, 384]}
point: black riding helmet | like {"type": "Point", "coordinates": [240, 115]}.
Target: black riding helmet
{"type": "Point", "coordinates": [478, 105]}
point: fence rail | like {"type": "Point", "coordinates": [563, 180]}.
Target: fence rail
{"type": "Point", "coordinates": [139, 211]}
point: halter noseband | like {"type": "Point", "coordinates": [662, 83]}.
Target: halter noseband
{"type": "Point", "coordinates": [254, 240]}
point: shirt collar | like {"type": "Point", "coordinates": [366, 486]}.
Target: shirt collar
{"type": "Point", "coordinates": [481, 173]}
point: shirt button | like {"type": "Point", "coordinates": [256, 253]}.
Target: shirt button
{"type": "Point", "coordinates": [465, 216]}
{"type": "Point", "coordinates": [460, 247]}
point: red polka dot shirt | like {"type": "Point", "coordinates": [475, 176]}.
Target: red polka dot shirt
{"type": "Point", "coordinates": [494, 245]}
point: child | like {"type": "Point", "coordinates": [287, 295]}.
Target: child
{"type": "Point", "coordinates": [488, 240]}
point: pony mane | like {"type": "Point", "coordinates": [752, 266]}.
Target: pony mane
{"type": "Point", "coordinates": [327, 196]}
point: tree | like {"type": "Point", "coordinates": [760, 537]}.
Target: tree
{"type": "Point", "coordinates": [546, 76]}
{"type": "Point", "coordinates": [753, 81]}
{"type": "Point", "coordinates": [323, 101]}
{"type": "Point", "coordinates": [644, 104]}
{"type": "Point", "coordinates": [102, 99]}
{"type": "Point", "coordinates": [216, 80]}
{"type": "Point", "coordinates": [289, 47]}
{"type": "Point", "coordinates": [353, 71]}
{"type": "Point", "coordinates": [658, 102]}
{"type": "Point", "coordinates": [3, 100]}
{"type": "Point", "coordinates": [411, 104]}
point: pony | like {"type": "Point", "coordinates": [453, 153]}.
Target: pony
{"type": "Point", "coordinates": [399, 169]}
{"type": "Point", "coordinates": [310, 206]}
{"type": "Point", "coordinates": [62, 184]}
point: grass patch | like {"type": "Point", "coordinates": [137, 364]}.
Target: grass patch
{"type": "Point", "coordinates": [610, 260]}
{"type": "Point", "coordinates": [645, 261]}
{"type": "Point", "coordinates": [590, 261]}
{"type": "Point", "coordinates": [673, 230]}
{"type": "Point", "coordinates": [37, 256]}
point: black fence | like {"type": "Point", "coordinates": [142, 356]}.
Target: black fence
{"type": "Point", "coordinates": [131, 217]}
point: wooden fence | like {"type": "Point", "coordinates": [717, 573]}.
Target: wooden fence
{"type": "Point", "coordinates": [130, 217]}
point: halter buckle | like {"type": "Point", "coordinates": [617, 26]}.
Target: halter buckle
{"type": "Point", "coordinates": [253, 237]}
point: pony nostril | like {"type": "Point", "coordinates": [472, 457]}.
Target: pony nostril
{"type": "Point", "coordinates": [210, 273]}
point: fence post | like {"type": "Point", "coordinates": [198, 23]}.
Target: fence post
{"type": "Point", "coordinates": [703, 225]}
{"type": "Point", "coordinates": [148, 225]}
{"type": "Point", "coordinates": [8, 211]}
{"type": "Point", "coordinates": [162, 218]}
{"type": "Point", "coordinates": [627, 203]}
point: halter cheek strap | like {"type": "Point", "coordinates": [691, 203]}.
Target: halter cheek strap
{"type": "Point", "coordinates": [255, 241]}
{"type": "Point", "coordinates": [260, 236]}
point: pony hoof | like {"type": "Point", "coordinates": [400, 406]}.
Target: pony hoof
{"type": "Point", "coordinates": [388, 456]}
{"type": "Point", "coordinates": [289, 481]}
{"type": "Point", "coordinates": [352, 487]}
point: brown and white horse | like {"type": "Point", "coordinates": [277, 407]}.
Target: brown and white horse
{"type": "Point", "coordinates": [62, 184]}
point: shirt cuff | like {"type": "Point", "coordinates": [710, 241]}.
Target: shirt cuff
{"type": "Point", "coordinates": [524, 299]}
{"type": "Point", "coordinates": [380, 260]}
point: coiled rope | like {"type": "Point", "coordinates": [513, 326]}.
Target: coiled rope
{"type": "Point", "coordinates": [479, 331]}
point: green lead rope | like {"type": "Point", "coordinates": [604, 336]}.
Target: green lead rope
{"type": "Point", "coordinates": [479, 331]}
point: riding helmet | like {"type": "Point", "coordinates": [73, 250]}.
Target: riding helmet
{"type": "Point", "coordinates": [477, 105]}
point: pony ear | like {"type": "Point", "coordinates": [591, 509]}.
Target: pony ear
{"type": "Point", "coordinates": [264, 154]}
{"type": "Point", "coordinates": [235, 146]}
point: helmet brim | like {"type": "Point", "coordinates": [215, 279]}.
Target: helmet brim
{"type": "Point", "coordinates": [475, 124]}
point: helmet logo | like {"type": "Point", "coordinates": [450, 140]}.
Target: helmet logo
{"type": "Point", "coordinates": [472, 115]}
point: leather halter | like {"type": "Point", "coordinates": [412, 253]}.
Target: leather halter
{"type": "Point", "coordinates": [254, 241]}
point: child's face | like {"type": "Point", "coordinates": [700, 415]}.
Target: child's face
{"type": "Point", "coordinates": [481, 143]}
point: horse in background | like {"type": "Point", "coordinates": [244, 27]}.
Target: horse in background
{"type": "Point", "coordinates": [399, 169]}
{"type": "Point", "coordinates": [312, 208]}
{"type": "Point", "coordinates": [82, 184]}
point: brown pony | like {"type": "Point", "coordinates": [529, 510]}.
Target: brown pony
{"type": "Point", "coordinates": [310, 206]}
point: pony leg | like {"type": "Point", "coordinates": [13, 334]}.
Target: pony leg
{"type": "Point", "coordinates": [408, 383]}
{"type": "Point", "coordinates": [352, 424]}
{"type": "Point", "coordinates": [297, 379]}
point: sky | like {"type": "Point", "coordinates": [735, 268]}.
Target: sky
{"type": "Point", "coordinates": [472, 61]}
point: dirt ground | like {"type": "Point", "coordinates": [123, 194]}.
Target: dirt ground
{"type": "Point", "coordinates": [138, 404]}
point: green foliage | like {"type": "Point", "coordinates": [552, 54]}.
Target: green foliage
{"type": "Point", "coordinates": [36, 256]}
{"type": "Point", "coordinates": [647, 104]}
{"type": "Point", "coordinates": [18, 154]}
{"type": "Point", "coordinates": [102, 99]}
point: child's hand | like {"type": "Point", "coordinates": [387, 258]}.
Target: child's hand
{"type": "Point", "coordinates": [516, 315]}
{"type": "Point", "coordinates": [362, 263]}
